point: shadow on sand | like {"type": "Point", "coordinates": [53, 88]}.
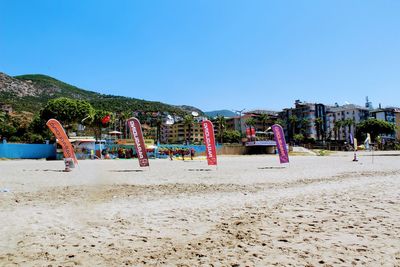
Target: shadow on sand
{"type": "Point", "coordinates": [46, 170]}
{"type": "Point", "coordinates": [271, 167]}
{"type": "Point", "coordinates": [199, 170]}
{"type": "Point", "coordinates": [125, 170]}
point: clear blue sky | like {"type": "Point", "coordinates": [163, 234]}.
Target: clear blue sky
{"type": "Point", "coordinates": [211, 54]}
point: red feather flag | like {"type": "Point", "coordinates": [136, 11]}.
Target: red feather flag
{"type": "Point", "coordinates": [253, 132]}
{"type": "Point", "coordinates": [209, 141]}
{"type": "Point", "coordinates": [248, 133]}
{"type": "Point", "coordinates": [136, 131]}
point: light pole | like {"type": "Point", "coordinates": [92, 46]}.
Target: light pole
{"type": "Point", "coordinates": [83, 127]}
{"type": "Point", "coordinates": [240, 118]}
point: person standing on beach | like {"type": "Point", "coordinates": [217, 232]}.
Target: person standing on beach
{"type": "Point", "coordinates": [192, 153]}
{"type": "Point", "coordinates": [170, 154]}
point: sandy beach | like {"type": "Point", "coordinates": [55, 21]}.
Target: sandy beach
{"type": "Point", "coordinates": [250, 211]}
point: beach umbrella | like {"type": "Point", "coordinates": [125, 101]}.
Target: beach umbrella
{"type": "Point", "coordinates": [115, 133]}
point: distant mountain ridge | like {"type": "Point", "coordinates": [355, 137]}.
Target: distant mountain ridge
{"type": "Point", "coordinates": [223, 112]}
{"type": "Point", "coordinates": [31, 92]}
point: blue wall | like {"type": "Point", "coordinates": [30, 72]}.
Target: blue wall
{"type": "Point", "coordinates": [27, 151]}
{"type": "Point", "coordinates": [38, 151]}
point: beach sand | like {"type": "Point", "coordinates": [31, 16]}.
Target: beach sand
{"type": "Point", "coordinates": [250, 211]}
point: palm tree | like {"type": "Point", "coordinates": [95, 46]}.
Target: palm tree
{"type": "Point", "coordinates": [250, 122]}
{"type": "Point", "coordinates": [349, 123]}
{"type": "Point", "coordinates": [280, 122]}
{"type": "Point", "coordinates": [221, 127]}
{"type": "Point", "coordinates": [304, 124]}
{"type": "Point", "coordinates": [188, 123]}
{"type": "Point", "coordinates": [264, 118]}
{"type": "Point", "coordinates": [318, 125]}
{"type": "Point", "coordinates": [292, 122]}
{"type": "Point", "coordinates": [337, 127]}
{"type": "Point", "coordinates": [123, 117]}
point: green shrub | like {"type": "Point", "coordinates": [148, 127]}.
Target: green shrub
{"type": "Point", "coordinates": [14, 139]}
{"type": "Point", "coordinates": [33, 138]}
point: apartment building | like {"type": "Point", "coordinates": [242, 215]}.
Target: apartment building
{"type": "Point", "coordinates": [257, 115]}
{"type": "Point", "coordinates": [306, 118]}
{"type": "Point", "coordinates": [178, 133]}
{"type": "Point", "coordinates": [341, 120]}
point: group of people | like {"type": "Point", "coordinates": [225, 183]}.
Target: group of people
{"type": "Point", "coordinates": [182, 153]}
{"type": "Point", "coordinates": [125, 153]}
{"type": "Point", "coordinates": [128, 153]}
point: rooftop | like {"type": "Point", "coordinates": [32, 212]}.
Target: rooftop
{"type": "Point", "coordinates": [346, 107]}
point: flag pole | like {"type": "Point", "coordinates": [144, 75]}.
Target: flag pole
{"type": "Point", "coordinates": [372, 151]}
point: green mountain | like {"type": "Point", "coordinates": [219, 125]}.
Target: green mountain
{"type": "Point", "coordinates": [31, 92]}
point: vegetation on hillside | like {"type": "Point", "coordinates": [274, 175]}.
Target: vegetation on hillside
{"type": "Point", "coordinates": [44, 97]}
{"type": "Point", "coordinates": [53, 88]}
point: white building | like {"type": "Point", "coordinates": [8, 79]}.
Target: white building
{"type": "Point", "coordinates": [352, 114]}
